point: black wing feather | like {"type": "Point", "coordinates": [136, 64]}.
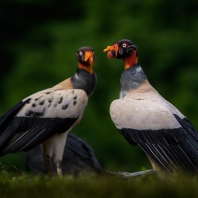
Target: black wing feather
{"type": "Point", "coordinates": [28, 132]}
{"type": "Point", "coordinates": [190, 129]}
{"type": "Point", "coordinates": [82, 149]}
{"type": "Point", "coordinates": [172, 149]}
{"type": "Point", "coordinates": [24, 133]}
{"type": "Point", "coordinates": [5, 119]}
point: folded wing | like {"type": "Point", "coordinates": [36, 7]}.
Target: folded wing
{"type": "Point", "coordinates": [38, 117]}
{"type": "Point", "coordinates": [167, 139]}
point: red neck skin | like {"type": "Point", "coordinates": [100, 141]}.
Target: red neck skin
{"type": "Point", "coordinates": [130, 60]}
{"type": "Point", "coordinates": [87, 68]}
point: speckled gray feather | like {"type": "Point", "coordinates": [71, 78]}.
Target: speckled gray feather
{"type": "Point", "coordinates": [62, 104]}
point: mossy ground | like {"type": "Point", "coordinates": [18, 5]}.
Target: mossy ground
{"type": "Point", "coordinates": [28, 185]}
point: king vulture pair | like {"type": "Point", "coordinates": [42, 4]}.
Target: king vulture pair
{"type": "Point", "coordinates": [145, 119]}
{"type": "Point", "coordinates": [47, 116]}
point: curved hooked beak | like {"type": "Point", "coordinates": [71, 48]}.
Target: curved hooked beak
{"type": "Point", "coordinates": [112, 51]}
{"type": "Point", "coordinates": [88, 57]}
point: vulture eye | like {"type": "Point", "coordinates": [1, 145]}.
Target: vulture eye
{"type": "Point", "coordinates": [80, 53]}
{"type": "Point", "coordinates": [124, 45]}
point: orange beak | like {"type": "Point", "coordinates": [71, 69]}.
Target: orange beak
{"type": "Point", "coordinates": [89, 56]}
{"type": "Point", "coordinates": [112, 51]}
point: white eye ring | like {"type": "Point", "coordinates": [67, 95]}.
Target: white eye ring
{"type": "Point", "coordinates": [124, 45]}
{"type": "Point", "coordinates": [80, 53]}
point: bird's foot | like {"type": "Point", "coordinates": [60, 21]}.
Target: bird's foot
{"type": "Point", "coordinates": [135, 174]}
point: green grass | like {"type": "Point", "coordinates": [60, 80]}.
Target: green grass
{"type": "Point", "coordinates": [27, 185]}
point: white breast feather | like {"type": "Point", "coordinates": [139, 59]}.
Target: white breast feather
{"type": "Point", "coordinates": [141, 115]}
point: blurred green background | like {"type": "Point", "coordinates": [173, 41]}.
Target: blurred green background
{"type": "Point", "coordinates": [38, 41]}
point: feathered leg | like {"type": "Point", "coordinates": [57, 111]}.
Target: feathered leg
{"type": "Point", "coordinates": [60, 140]}
{"type": "Point", "coordinates": [54, 146]}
